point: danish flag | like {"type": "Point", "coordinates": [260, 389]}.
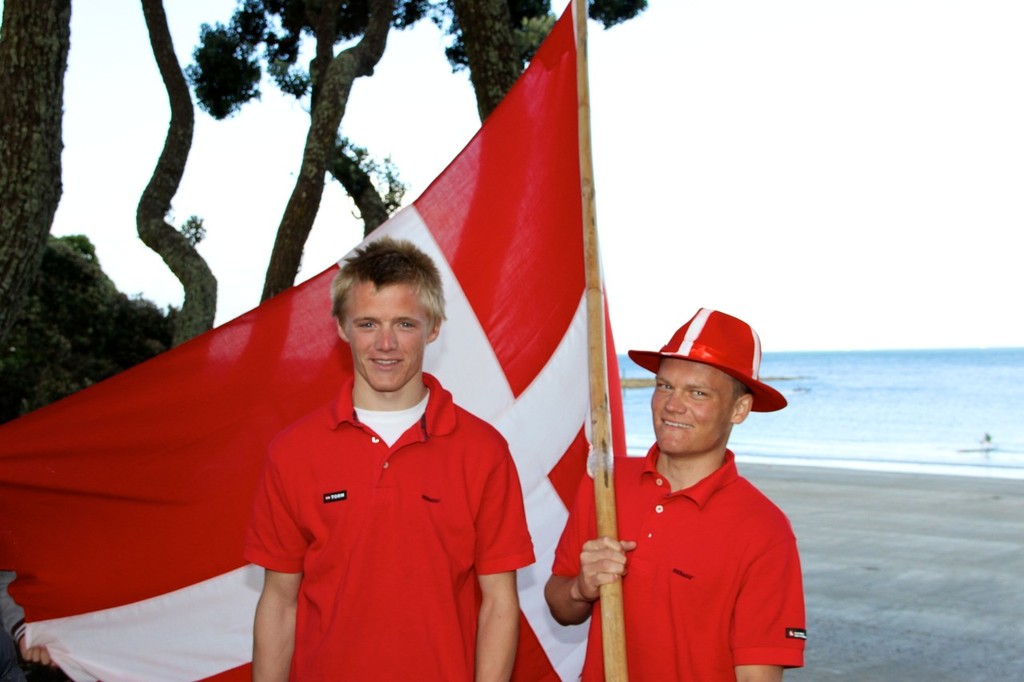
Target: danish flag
{"type": "Point", "coordinates": [123, 506]}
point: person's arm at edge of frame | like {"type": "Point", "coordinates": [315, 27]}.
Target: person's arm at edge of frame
{"type": "Point", "coordinates": [759, 673]}
{"type": "Point", "coordinates": [497, 627]}
{"type": "Point", "coordinates": [35, 654]}
{"type": "Point", "coordinates": [602, 560]}
{"type": "Point", "coordinates": [274, 627]}
{"type": "Point", "coordinates": [13, 618]}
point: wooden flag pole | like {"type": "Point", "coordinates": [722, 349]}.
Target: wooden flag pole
{"type": "Point", "coordinates": [612, 623]}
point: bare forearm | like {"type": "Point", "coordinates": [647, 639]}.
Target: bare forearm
{"type": "Point", "coordinates": [497, 628]}
{"type": "Point", "coordinates": [274, 628]}
{"type": "Point", "coordinates": [273, 643]}
{"type": "Point", "coordinates": [567, 605]}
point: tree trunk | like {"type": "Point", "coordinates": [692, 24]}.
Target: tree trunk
{"type": "Point", "coordinates": [493, 62]}
{"type": "Point", "coordinates": [359, 186]}
{"type": "Point", "coordinates": [329, 102]}
{"type": "Point", "coordinates": [200, 304]}
{"type": "Point", "coordinates": [33, 59]}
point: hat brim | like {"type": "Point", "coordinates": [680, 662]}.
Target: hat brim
{"type": "Point", "coordinates": [766, 398]}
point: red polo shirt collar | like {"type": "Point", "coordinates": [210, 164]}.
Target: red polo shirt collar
{"type": "Point", "coordinates": [439, 418]}
{"type": "Point", "coordinates": [703, 490]}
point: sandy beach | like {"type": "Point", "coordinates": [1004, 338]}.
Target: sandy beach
{"type": "Point", "coordinates": [908, 577]}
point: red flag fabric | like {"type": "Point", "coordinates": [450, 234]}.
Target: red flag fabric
{"type": "Point", "coordinates": [122, 507]}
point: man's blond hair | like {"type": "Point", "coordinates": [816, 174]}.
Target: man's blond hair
{"type": "Point", "coordinates": [388, 261]}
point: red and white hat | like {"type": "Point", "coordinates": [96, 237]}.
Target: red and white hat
{"type": "Point", "coordinates": [725, 343]}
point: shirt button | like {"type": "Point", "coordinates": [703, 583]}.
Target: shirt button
{"type": "Point", "coordinates": [660, 482]}
{"type": "Point", "coordinates": [659, 509]}
{"type": "Point", "coordinates": [374, 439]}
{"type": "Point", "coordinates": [387, 464]}
{"type": "Point", "coordinates": [650, 535]}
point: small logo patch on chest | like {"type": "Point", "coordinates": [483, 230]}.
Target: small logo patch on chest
{"type": "Point", "coordinates": [339, 496]}
{"type": "Point", "coordinates": [796, 633]}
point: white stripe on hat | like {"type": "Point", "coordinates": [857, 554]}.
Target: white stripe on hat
{"type": "Point", "coordinates": [755, 370]}
{"type": "Point", "coordinates": [694, 330]}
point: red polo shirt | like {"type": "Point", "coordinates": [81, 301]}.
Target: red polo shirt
{"type": "Point", "coordinates": [389, 540]}
{"type": "Point", "coordinates": [713, 583]}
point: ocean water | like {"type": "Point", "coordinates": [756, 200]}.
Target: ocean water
{"type": "Point", "coordinates": [937, 411]}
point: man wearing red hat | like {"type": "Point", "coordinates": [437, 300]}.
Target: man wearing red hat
{"type": "Point", "coordinates": [710, 572]}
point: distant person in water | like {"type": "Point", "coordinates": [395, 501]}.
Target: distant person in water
{"type": "Point", "coordinates": [710, 573]}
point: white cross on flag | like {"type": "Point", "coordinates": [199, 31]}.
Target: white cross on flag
{"type": "Point", "coordinates": [123, 506]}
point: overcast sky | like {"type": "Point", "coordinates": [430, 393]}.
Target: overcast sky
{"type": "Point", "coordinates": [842, 175]}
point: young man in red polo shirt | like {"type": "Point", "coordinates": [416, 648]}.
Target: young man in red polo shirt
{"type": "Point", "coordinates": [390, 522]}
{"type": "Point", "coordinates": [710, 573]}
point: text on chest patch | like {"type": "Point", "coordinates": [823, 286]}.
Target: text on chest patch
{"type": "Point", "coordinates": [338, 496]}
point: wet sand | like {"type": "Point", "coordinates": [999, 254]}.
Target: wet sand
{"type": "Point", "coordinates": [908, 577]}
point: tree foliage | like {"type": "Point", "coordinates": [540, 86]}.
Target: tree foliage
{"type": "Point", "coordinates": [74, 330]}
{"type": "Point", "coordinates": [227, 69]}
{"type": "Point", "coordinates": [193, 230]}
{"type": "Point", "coordinates": [479, 43]}
{"type": "Point", "coordinates": [612, 12]}
{"type": "Point", "coordinates": [268, 34]}
{"type": "Point", "coordinates": [494, 39]}
{"type": "Point", "coordinates": [225, 74]}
